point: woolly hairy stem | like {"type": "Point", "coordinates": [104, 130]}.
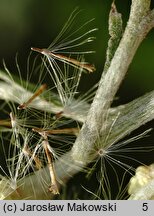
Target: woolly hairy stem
{"type": "Point", "coordinates": [12, 91]}
{"type": "Point", "coordinates": [139, 24]}
{"type": "Point", "coordinates": [132, 116]}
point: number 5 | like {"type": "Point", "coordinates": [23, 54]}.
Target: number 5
{"type": "Point", "coordinates": [145, 207]}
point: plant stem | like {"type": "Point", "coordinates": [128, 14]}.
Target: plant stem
{"type": "Point", "coordinates": [139, 24]}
